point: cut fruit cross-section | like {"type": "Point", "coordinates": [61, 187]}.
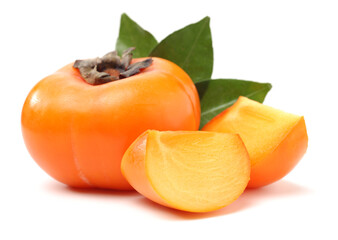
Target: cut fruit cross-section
{"type": "Point", "coordinates": [188, 170]}
{"type": "Point", "coordinates": [275, 140]}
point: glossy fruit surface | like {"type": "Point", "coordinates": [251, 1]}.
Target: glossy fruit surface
{"type": "Point", "coordinates": [192, 171]}
{"type": "Point", "coordinates": [78, 132]}
{"type": "Point", "coordinates": [275, 140]}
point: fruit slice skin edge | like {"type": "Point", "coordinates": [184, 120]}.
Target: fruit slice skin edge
{"type": "Point", "coordinates": [289, 152]}
{"type": "Point", "coordinates": [186, 171]}
{"type": "Point", "coordinates": [284, 137]}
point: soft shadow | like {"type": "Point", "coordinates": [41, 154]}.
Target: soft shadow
{"type": "Point", "coordinates": [279, 189]}
{"type": "Point", "coordinates": [249, 198]}
{"type": "Point", "coordinates": [173, 214]}
{"type": "Point", "coordinates": [92, 192]}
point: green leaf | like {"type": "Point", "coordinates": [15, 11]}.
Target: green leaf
{"type": "Point", "coordinates": [219, 94]}
{"type": "Point", "coordinates": [132, 35]}
{"type": "Point", "coordinates": [190, 48]}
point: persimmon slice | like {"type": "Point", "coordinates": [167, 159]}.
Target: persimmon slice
{"type": "Point", "coordinates": [188, 170]}
{"type": "Point", "coordinates": [276, 140]}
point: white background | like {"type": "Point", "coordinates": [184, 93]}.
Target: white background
{"type": "Point", "coordinates": [292, 44]}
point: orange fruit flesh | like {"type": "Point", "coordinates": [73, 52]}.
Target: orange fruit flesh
{"type": "Point", "coordinates": [275, 140]}
{"type": "Point", "coordinates": [190, 171]}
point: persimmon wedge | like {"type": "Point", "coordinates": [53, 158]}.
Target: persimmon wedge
{"type": "Point", "coordinates": [192, 171]}
{"type": "Point", "coordinates": [275, 140]}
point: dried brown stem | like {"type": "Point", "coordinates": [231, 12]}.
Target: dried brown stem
{"type": "Point", "coordinates": [110, 67]}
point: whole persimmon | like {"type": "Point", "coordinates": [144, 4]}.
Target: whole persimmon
{"type": "Point", "coordinates": [78, 122]}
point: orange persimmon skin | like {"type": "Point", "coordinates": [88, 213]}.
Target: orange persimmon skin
{"type": "Point", "coordinates": [276, 163]}
{"type": "Point", "coordinates": [136, 169]}
{"type": "Point", "coordinates": [78, 133]}
{"type": "Point", "coordinates": [283, 159]}
{"type": "Point", "coordinates": [192, 171]}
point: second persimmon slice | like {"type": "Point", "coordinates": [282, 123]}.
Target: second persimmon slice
{"type": "Point", "coordinates": [276, 140]}
{"type": "Point", "coordinates": [191, 171]}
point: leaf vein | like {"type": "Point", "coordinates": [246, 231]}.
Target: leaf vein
{"type": "Point", "coordinates": [225, 105]}
{"type": "Point", "coordinates": [193, 45]}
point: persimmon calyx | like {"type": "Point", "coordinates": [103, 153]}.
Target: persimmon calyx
{"type": "Point", "coordinates": [110, 67]}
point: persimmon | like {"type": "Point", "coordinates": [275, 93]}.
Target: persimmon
{"type": "Point", "coordinates": [192, 171]}
{"type": "Point", "coordinates": [275, 140]}
{"type": "Point", "coordinates": [78, 122]}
